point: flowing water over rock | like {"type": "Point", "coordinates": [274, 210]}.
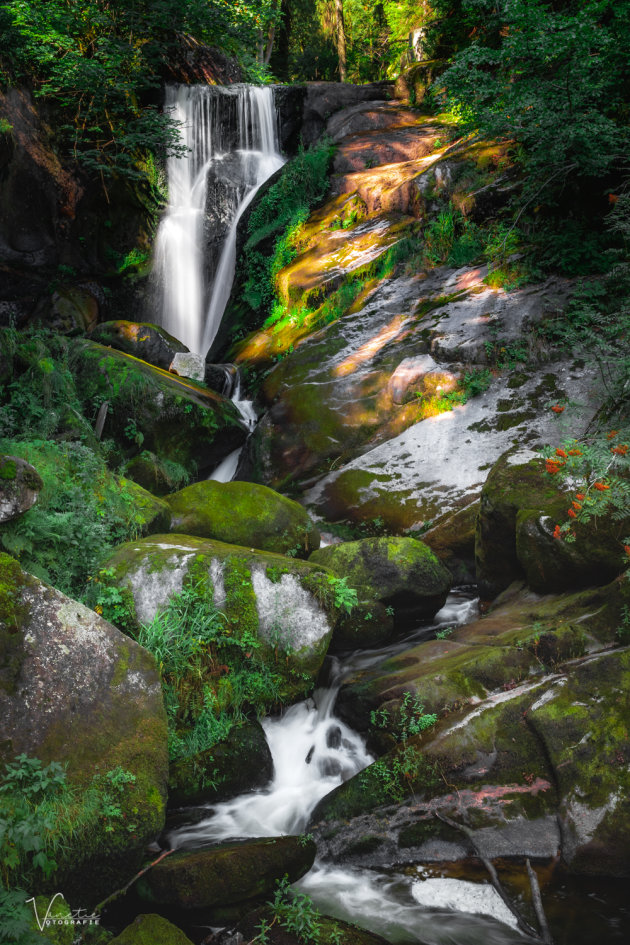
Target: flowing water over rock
{"type": "Point", "coordinates": [232, 141]}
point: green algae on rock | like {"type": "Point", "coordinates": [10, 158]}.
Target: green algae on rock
{"type": "Point", "coordinates": [402, 573]}
{"type": "Point", "coordinates": [243, 513]}
{"type": "Point", "coordinates": [226, 874]}
{"type": "Point", "coordinates": [239, 764]}
{"type": "Point", "coordinates": [151, 929]}
{"type": "Point", "coordinates": [84, 695]}
{"type": "Point", "coordinates": [284, 603]}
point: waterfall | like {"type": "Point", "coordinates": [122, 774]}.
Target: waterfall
{"type": "Point", "coordinates": [232, 141]}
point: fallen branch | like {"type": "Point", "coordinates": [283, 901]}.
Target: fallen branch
{"type": "Point", "coordinates": [545, 934]}
{"type": "Point", "coordinates": [523, 926]}
{"type": "Point", "coordinates": [121, 892]}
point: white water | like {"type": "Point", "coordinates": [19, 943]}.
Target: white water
{"type": "Point", "coordinates": [191, 310]}
{"type": "Point", "coordinates": [313, 752]}
{"type": "Point", "coordinates": [226, 470]}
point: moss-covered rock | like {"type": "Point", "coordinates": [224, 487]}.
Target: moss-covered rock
{"type": "Point", "coordinates": [226, 874]}
{"type": "Point", "coordinates": [452, 538]}
{"type": "Point", "coordinates": [330, 931]}
{"type": "Point", "coordinates": [20, 484]}
{"type": "Point", "coordinates": [400, 572]}
{"type": "Point", "coordinates": [175, 418]}
{"type": "Point", "coordinates": [157, 476]}
{"type": "Point", "coordinates": [151, 514]}
{"type": "Point", "coordinates": [520, 507]}
{"type": "Point", "coordinates": [56, 918]}
{"type": "Point", "coordinates": [369, 624]}
{"type": "Point", "coordinates": [82, 694]}
{"type": "Point", "coordinates": [150, 343]}
{"type": "Point", "coordinates": [241, 763]}
{"type": "Point", "coordinates": [151, 929]}
{"type": "Point", "coordinates": [284, 603]}
{"type": "Point", "coordinates": [243, 513]}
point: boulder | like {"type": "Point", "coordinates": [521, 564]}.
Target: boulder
{"type": "Point", "coordinates": [74, 690]}
{"type": "Point", "coordinates": [241, 763]}
{"type": "Point", "coordinates": [185, 364]}
{"type": "Point", "coordinates": [452, 538]}
{"type": "Point", "coordinates": [399, 572]}
{"type": "Point", "coordinates": [20, 485]}
{"type": "Point", "coordinates": [143, 340]}
{"type": "Point", "coordinates": [520, 506]}
{"type": "Point", "coordinates": [74, 310]}
{"type": "Point", "coordinates": [323, 99]}
{"type": "Point", "coordinates": [369, 624]}
{"type": "Point", "coordinates": [243, 513]}
{"type": "Point", "coordinates": [285, 604]}
{"type": "Point", "coordinates": [174, 418]}
{"type": "Point", "coordinates": [150, 930]}
{"type": "Point", "coordinates": [157, 476]}
{"type": "Point", "coordinates": [227, 874]}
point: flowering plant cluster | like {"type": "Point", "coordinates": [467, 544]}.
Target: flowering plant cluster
{"type": "Point", "coordinates": [596, 473]}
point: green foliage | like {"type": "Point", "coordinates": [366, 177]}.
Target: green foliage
{"type": "Point", "coordinates": [100, 63]}
{"type": "Point", "coordinates": [279, 216]}
{"type": "Point", "coordinates": [410, 719]}
{"type": "Point", "coordinates": [295, 913]}
{"type": "Point", "coordinates": [345, 597]}
{"type": "Point", "coordinates": [210, 676]}
{"type": "Point", "coordinates": [16, 918]}
{"type": "Point", "coordinates": [393, 777]}
{"type": "Point", "coordinates": [40, 811]}
{"type": "Point", "coordinates": [82, 512]}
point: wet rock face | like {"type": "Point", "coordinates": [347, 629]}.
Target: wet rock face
{"type": "Point", "coordinates": [20, 485]}
{"type": "Point", "coordinates": [323, 99]}
{"type": "Point", "coordinates": [227, 874]}
{"type": "Point", "coordinates": [286, 603]}
{"type": "Point", "coordinates": [74, 690]}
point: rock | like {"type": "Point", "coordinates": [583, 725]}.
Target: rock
{"type": "Point", "coordinates": [150, 930]}
{"type": "Point", "coordinates": [520, 507]}
{"type": "Point", "coordinates": [323, 99]}
{"type": "Point", "coordinates": [175, 419]}
{"type": "Point", "coordinates": [20, 485]}
{"type": "Point", "coordinates": [185, 364]}
{"type": "Point", "coordinates": [400, 572]}
{"type": "Point", "coordinates": [284, 603]}
{"type": "Point", "coordinates": [222, 378]}
{"type": "Point", "coordinates": [56, 916]}
{"type": "Point", "coordinates": [419, 375]}
{"type": "Point", "coordinates": [412, 84]}
{"type": "Point", "coordinates": [74, 690]}
{"type": "Point", "coordinates": [74, 310]}
{"type": "Point", "coordinates": [241, 763]}
{"type": "Point", "coordinates": [226, 874]}
{"type": "Point", "coordinates": [151, 514]}
{"type": "Point", "coordinates": [143, 340]}
{"type": "Point", "coordinates": [452, 538]}
{"type": "Point", "coordinates": [243, 513]}
{"type": "Point", "coordinates": [369, 624]}
{"type": "Point", "coordinates": [521, 635]}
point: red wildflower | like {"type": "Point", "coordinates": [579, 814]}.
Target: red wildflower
{"type": "Point", "coordinates": [626, 548]}
{"type": "Point", "coordinates": [620, 450]}
{"type": "Point", "coordinates": [575, 452]}
{"type": "Point", "coordinates": [557, 408]}
{"type": "Point", "coordinates": [557, 532]}
{"type": "Point", "coordinates": [600, 486]}
{"type": "Point", "coordinates": [560, 452]}
{"type": "Point", "coordinates": [612, 434]}
{"type": "Point", "coordinates": [571, 513]}
{"type": "Point", "coordinates": [576, 505]}
{"type": "Point", "coordinates": [580, 495]}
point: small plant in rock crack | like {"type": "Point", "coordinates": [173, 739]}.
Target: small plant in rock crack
{"type": "Point", "coordinates": [345, 597]}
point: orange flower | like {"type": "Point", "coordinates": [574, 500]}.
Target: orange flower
{"type": "Point", "coordinates": [575, 452]}
{"type": "Point", "coordinates": [552, 466]}
{"type": "Point", "coordinates": [620, 450]}
{"type": "Point", "coordinates": [557, 408]}
{"type": "Point", "coordinates": [557, 532]}
{"type": "Point", "coordinates": [600, 486]}
{"type": "Point", "coordinates": [571, 513]}
{"type": "Point", "coordinates": [576, 505]}
{"type": "Point", "coordinates": [612, 434]}
{"type": "Point", "coordinates": [580, 495]}
{"type": "Point", "coordinates": [560, 452]}
{"type": "Point", "coordinates": [626, 548]}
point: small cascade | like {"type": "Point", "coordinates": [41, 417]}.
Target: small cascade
{"type": "Point", "coordinates": [232, 140]}
{"type": "Point", "coordinates": [226, 470]}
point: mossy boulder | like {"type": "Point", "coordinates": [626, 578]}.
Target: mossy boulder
{"type": "Point", "coordinates": [520, 506]}
{"type": "Point", "coordinates": [227, 874]}
{"type": "Point", "coordinates": [241, 763]}
{"type": "Point", "coordinates": [145, 341]}
{"type": "Point", "coordinates": [369, 624]}
{"type": "Point", "coordinates": [175, 418]}
{"type": "Point", "coordinates": [151, 513]}
{"type": "Point", "coordinates": [401, 573]}
{"type": "Point", "coordinates": [452, 538]}
{"type": "Point", "coordinates": [284, 603]}
{"type": "Point", "coordinates": [56, 918]}
{"type": "Point", "coordinates": [243, 513]}
{"type": "Point", "coordinates": [20, 484]}
{"type": "Point", "coordinates": [157, 476]}
{"type": "Point", "coordinates": [151, 929]}
{"type": "Point", "coordinates": [76, 691]}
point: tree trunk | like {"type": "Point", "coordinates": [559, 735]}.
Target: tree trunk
{"type": "Point", "coordinates": [341, 40]}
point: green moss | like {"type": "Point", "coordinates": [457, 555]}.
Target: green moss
{"type": "Point", "coordinates": [13, 612]}
{"type": "Point", "coordinates": [8, 468]}
{"type": "Point", "coordinates": [363, 846]}
{"type": "Point", "coordinates": [149, 930]}
{"type": "Point", "coordinates": [58, 932]}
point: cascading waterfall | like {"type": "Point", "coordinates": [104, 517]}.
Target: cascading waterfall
{"type": "Point", "coordinates": [235, 127]}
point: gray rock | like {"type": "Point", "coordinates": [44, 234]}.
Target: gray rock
{"type": "Point", "coordinates": [20, 484]}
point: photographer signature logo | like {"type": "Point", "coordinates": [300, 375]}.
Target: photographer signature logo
{"type": "Point", "coordinates": [76, 917]}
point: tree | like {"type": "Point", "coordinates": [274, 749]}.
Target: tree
{"type": "Point", "coordinates": [341, 40]}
